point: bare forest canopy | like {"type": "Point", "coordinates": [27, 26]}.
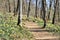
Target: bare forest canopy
{"type": "Point", "coordinates": [45, 9]}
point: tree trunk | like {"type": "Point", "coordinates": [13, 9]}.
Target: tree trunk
{"type": "Point", "coordinates": [20, 13]}
{"type": "Point", "coordinates": [44, 12]}
{"type": "Point", "coordinates": [49, 9]}
{"type": "Point", "coordinates": [17, 8]}
{"type": "Point", "coordinates": [41, 15]}
{"type": "Point", "coordinates": [36, 9]}
{"type": "Point", "coordinates": [14, 7]}
{"type": "Point", "coordinates": [58, 11]}
{"type": "Point", "coordinates": [9, 5]}
{"type": "Point", "coordinates": [6, 5]}
{"type": "Point", "coordinates": [28, 9]}
{"type": "Point", "coordinates": [55, 10]}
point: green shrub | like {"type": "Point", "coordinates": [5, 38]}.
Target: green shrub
{"type": "Point", "coordinates": [10, 31]}
{"type": "Point", "coordinates": [51, 27]}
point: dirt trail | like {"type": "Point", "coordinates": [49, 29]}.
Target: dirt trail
{"type": "Point", "coordinates": [40, 34]}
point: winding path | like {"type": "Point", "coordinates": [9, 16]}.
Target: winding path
{"type": "Point", "coordinates": [40, 34]}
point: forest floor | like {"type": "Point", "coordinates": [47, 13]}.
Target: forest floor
{"type": "Point", "coordinates": [38, 33]}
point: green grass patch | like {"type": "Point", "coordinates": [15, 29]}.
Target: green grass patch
{"type": "Point", "coordinates": [9, 29]}
{"type": "Point", "coordinates": [51, 27]}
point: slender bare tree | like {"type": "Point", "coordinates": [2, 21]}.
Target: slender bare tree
{"type": "Point", "coordinates": [19, 13]}
{"type": "Point", "coordinates": [55, 11]}
{"type": "Point", "coordinates": [49, 9]}
{"type": "Point", "coordinates": [44, 12]}
{"type": "Point", "coordinates": [36, 9]}
{"type": "Point", "coordinates": [28, 9]}
{"type": "Point", "coordinates": [9, 5]}
{"type": "Point", "coordinates": [14, 7]}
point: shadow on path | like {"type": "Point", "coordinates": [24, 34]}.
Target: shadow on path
{"type": "Point", "coordinates": [39, 30]}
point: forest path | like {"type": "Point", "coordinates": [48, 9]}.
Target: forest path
{"type": "Point", "coordinates": [39, 34]}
